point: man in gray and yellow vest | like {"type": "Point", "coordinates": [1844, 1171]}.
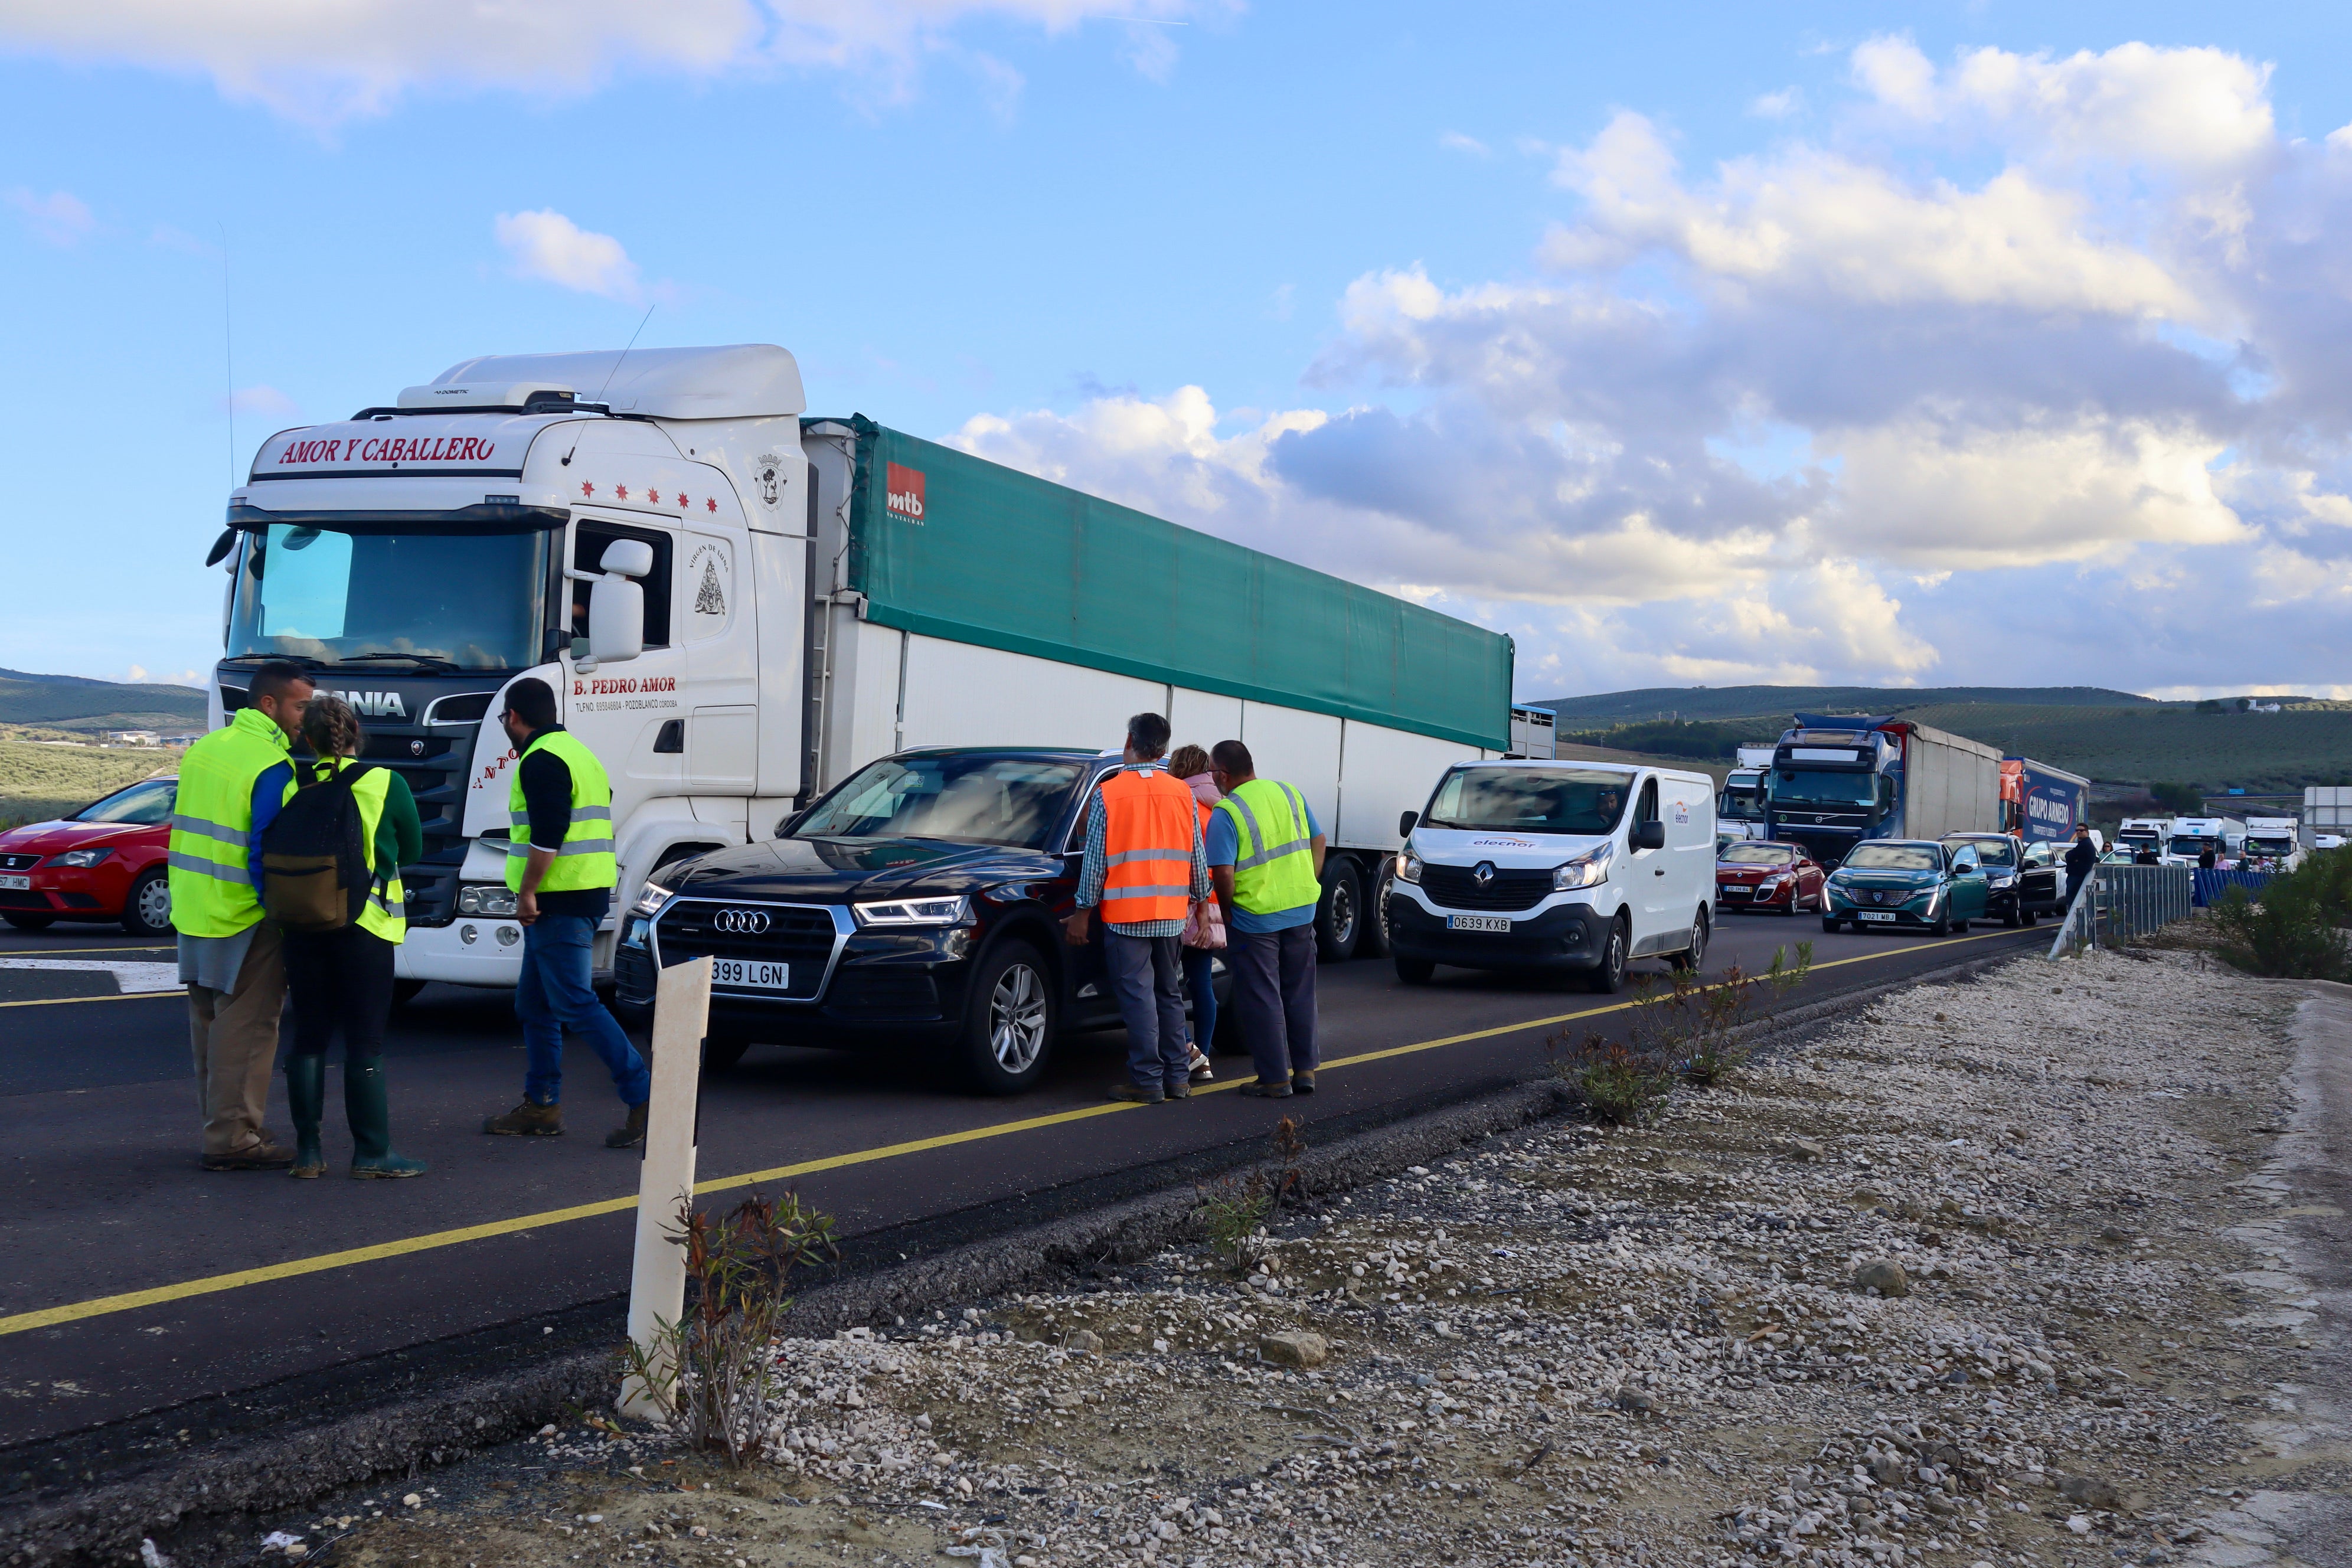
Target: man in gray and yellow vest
{"type": "Point", "coordinates": [559, 862]}
{"type": "Point", "coordinates": [1266, 856]}
{"type": "Point", "coordinates": [233, 784]}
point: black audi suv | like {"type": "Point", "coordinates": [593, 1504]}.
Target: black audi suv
{"type": "Point", "coordinates": [917, 904]}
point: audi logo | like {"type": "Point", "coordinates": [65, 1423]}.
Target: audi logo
{"type": "Point", "coordinates": [1483, 873]}
{"type": "Point", "coordinates": [742, 922]}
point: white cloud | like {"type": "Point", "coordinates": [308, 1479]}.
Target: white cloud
{"type": "Point", "coordinates": [1778, 105]}
{"type": "Point", "coordinates": [60, 217]}
{"type": "Point", "coordinates": [548, 247]}
{"type": "Point", "coordinates": [322, 64]}
{"type": "Point", "coordinates": [1455, 142]}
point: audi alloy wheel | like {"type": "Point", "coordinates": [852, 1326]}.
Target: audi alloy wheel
{"type": "Point", "coordinates": [1009, 1020]}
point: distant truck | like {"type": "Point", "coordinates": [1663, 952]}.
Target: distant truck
{"type": "Point", "coordinates": [2272, 838]}
{"type": "Point", "coordinates": [1739, 805]}
{"type": "Point", "coordinates": [1531, 733]}
{"type": "Point", "coordinates": [2040, 803]}
{"type": "Point", "coordinates": [2193, 835]}
{"type": "Point", "coordinates": [2326, 812]}
{"type": "Point", "coordinates": [2148, 833]}
{"type": "Point", "coordinates": [1839, 780]}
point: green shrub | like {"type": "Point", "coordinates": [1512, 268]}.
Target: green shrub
{"type": "Point", "coordinates": [2296, 929]}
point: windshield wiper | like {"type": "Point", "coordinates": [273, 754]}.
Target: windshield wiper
{"type": "Point", "coordinates": [422, 660]}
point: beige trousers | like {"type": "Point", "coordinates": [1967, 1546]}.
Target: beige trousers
{"type": "Point", "coordinates": [234, 1036]}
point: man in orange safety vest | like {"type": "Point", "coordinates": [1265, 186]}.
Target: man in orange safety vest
{"type": "Point", "coordinates": [1145, 869]}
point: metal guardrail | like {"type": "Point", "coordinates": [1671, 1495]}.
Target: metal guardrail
{"type": "Point", "coordinates": [2119, 902]}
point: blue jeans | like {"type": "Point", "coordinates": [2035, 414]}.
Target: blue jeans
{"type": "Point", "coordinates": [1200, 979]}
{"type": "Point", "coordinates": [553, 996]}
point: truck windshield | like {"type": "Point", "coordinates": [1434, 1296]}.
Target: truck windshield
{"type": "Point", "coordinates": [1894, 857]}
{"type": "Point", "coordinates": [966, 799]}
{"type": "Point", "coordinates": [2270, 845]}
{"type": "Point", "coordinates": [1742, 799]}
{"type": "Point", "coordinates": [1529, 800]}
{"type": "Point", "coordinates": [1809, 787]}
{"type": "Point", "coordinates": [2193, 844]}
{"type": "Point", "coordinates": [468, 599]}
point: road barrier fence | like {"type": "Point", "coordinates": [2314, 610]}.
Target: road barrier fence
{"type": "Point", "coordinates": [2119, 902]}
{"type": "Point", "coordinates": [2212, 886]}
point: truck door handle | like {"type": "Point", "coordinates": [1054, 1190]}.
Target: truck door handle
{"type": "Point", "coordinates": [1659, 872]}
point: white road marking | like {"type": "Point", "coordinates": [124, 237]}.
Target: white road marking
{"type": "Point", "coordinates": [129, 975]}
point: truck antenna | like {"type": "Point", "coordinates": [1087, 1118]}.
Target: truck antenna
{"type": "Point", "coordinates": [614, 370]}
{"type": "Point", "coordinates": [228, 357]}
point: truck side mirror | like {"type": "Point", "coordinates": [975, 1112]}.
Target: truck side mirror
{"type": "Point", "coordinates": [221, 547]}
{"type": "Point", "coordinates": [1404, 823]}
{"type": "Point", "coordinates": [617, 618]}
{"type": "Point", "coordinates": [1649, 835]}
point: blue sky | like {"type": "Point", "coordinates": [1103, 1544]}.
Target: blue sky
{"type": "Point", "coordinates": [1934, 345]}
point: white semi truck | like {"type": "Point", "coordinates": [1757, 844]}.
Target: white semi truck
{"type": "Point", "coordinates": [740, 607]}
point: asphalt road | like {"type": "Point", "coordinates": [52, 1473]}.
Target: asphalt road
{"type": "Point", "coordinates": [235, 1281]}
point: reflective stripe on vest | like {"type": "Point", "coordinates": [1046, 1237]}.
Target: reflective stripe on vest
{"type": "Point", "coordinates": [585, 857]}
{"type": "Point", "coordinates": [1148, 830]}
{"type": "Point", "coordinates": [385, 912]}
{"type": "Point", "coordinates": [212, 825]}
{"type": "Point", "coordinates": [1274, 863]}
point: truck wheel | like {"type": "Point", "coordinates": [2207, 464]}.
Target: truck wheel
{"type": "Point", "coordinates": [1372, 941]}
{"type": "Point", "coordinates": [1008, 1021]}
{"type": "Point", "coordinates": [1414, 970]}
{"type": "Point", "coordinates": [147, 911]}
{"type": "Point", "coordinates": [720, 1052]}
{"type": "Point", "coordinates": [1609, 972]}
{"type": "Point", "coordinates": [1695, 954]}
{"type": "Point", "coordinates": [1340, 916]}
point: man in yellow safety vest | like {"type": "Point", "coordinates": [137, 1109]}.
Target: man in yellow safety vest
{"type": "Point", "coordinates": [1266, 856]}
{"type": "Point", "coordinates": [233, 784]}
{"type": "Point", "coordinates": [560, 864]}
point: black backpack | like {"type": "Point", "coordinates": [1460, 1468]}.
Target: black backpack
{"type": "Point", "coordinates": [313, 859]}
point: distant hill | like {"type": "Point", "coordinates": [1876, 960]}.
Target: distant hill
{"type": "Point", "coordinates": [2112, 737]}
{"type": "Point", "coordinates": [1744, 701]}
{"type": "Point", "coordinates": [77, 703]}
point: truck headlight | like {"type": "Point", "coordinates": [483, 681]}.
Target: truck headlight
{"type": "Point", "coordinates": [650, 902]}
{"type": "Point", "coordinates": [911, 912]}
{"type": "Point", "coordinates": [1585, 870]}
{"type": "Point", "coordinates": [485, 898]}
{"type": "Point", "coordinates": [1408, 866]}
{"type": "Point", "coordinates": [82, 857]}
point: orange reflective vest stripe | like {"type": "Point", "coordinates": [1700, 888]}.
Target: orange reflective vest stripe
{"type": "Point", "coordinates": [1149, 824]}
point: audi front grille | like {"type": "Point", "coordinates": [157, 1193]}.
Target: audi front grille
{"type": "Point", "coordinates": [804, 936]}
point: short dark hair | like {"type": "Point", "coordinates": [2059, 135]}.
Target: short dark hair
{"type": "Point", "coordinates": [1147, 733]}
{"type": "Point", "coordinates": [1232, 757]}
{"type": "Point", "coordinates": [275, 679]}
{"type": "Point", "coordinates": [532, 700]}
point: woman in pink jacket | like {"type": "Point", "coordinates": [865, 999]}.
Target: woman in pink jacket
{"type": "Point", "coordinates": [1190, 764]}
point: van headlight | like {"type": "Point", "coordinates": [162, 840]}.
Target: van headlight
{"type": "Point", "coordinates": [911, 912]}
{"type": "Point", "coordinates": [1408, 866]}
{"type": "Point", "coordinates": [1585, 870]}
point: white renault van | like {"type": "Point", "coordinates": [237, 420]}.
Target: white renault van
{"type": "Point", "coordinates": [1560, 866]}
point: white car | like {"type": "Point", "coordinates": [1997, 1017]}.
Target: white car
{"type": "Point", "coordinates": [1560, 866]}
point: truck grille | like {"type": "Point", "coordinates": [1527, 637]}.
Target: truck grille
{"type": "Point", "coordinates": [800, 935]}
{"type": "Point", "coordinates": [1457, 888]}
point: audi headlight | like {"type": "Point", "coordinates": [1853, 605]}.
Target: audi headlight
{"type": "Point", "coordinates": [1585, 870]}
{"type": "Point", "coordinates": [79, 857]}
{"type": "Point", "coordinates": [1408, 866]}
{"type": "Point", "coordinates": [485, 898]}
{"type": "Point", "coordinates": [650, 902]}
{"type": "Point", "coordinates": [911, 912]}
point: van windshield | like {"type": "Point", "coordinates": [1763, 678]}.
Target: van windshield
{"type": "Point", "coordinates": [966, 799]}
{"type": "Point", "coordinates": [1894, 857]}
{"type": "Point", "coordinates": [1578, 800]}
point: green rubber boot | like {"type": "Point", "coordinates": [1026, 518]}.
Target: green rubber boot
{"type": "Point", "coordinates": [363, 1102]}
{"type": "Point", "coordinates": [306, 1101]}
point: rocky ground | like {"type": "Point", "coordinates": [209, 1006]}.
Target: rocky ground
{"type": "Point", "coordinates": [2074, 1341]}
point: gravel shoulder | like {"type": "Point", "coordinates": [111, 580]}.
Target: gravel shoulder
{"type": "Point", "coordinates": [2095, 1196]}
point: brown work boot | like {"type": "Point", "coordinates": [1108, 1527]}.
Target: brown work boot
{"type": "Point", "coordinates": [1303, 1082]}
{"type": "Point", "coordinates": [1137, 1093]}
{"type": "Point", "coordinates": [629, 1133]}
{"type": "Point", "coordinates": [528, 1119]}
{"type": "Point", "coordinates": [263, 1154]}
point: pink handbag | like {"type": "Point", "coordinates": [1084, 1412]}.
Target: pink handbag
{"type": "Point", "coordinates": [1204, 926]}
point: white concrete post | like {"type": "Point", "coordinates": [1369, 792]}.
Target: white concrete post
{"type": "Point", "coordinates": [665, 1180]}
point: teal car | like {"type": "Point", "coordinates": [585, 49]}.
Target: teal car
{"type": "Point", "coordinates": [1914, 884]}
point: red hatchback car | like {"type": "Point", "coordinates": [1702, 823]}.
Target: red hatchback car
{"type": "Point", "coordinates": [105, 862]}
{"type": "Point", "coordinates": [1779, 877]}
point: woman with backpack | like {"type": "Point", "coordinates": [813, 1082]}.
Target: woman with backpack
{"type": "Point", "coordinates": [1204, 930]}
{"type": "Point", "coordinates": [340, 936]}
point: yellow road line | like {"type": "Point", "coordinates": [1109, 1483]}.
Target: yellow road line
{"type": "Point", "coordinates": [99, 1306]}
{"type": "Point", "coordinates": [63, 1001]}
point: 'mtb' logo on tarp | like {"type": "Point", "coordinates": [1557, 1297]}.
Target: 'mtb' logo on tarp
{"type": "Point", "coordinates": [906, 489]}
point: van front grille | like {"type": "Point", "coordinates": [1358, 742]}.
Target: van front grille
{"type": "Point", "coordinates": [1457, 888]}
